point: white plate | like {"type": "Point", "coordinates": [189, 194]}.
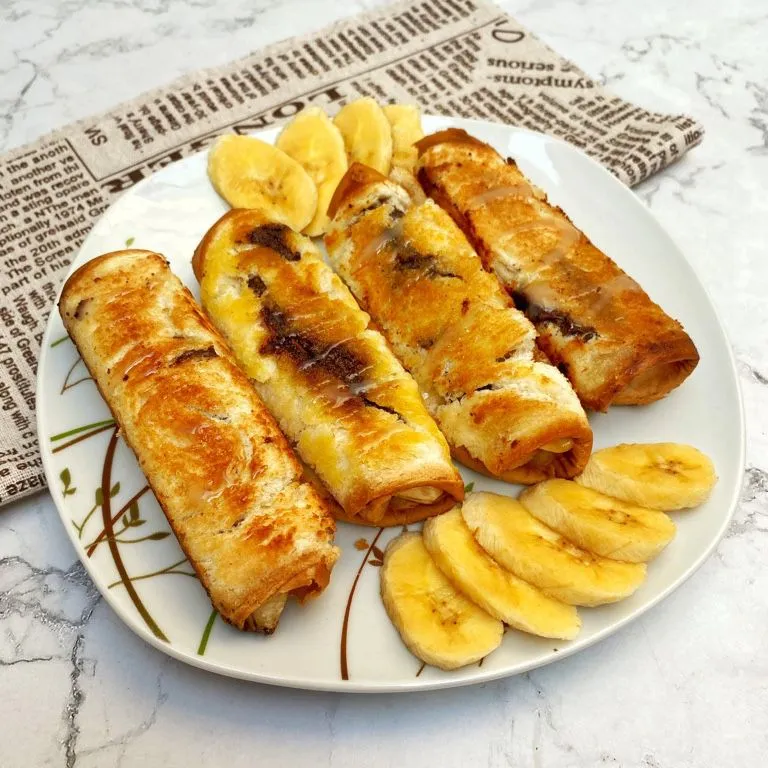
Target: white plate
{"type": "Point", "coordinates": [169, 213]}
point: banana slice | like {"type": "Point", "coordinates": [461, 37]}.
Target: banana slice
{"type": "Point", "coordinates": [562, 445]}
{"type": "Point", "coordinates": [409, 183]}
{"type": "Point", "coordinates": [249, 173]}
{"type": "Point", "coordinates": [521, 544]}
{"type": "Point", "coordinates": [437, 623]}
{"type": "Point", "coordinates": [367, 135]}
{"type": "Point", "coordinates": [315, 142]}
{"type": "Point", "coordinates": [598, 523]}
{"type": "Point", "coordinates": [422, 495]}
{"type": "Point", "coordinates": [664, 476]}
{"type": "Point", "coordinates": [405, 120]}
{"type": "Point", "coordinates": [501, 593]}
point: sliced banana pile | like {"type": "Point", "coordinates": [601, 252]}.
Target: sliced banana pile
{"type": "Point", "coordinates": [437, 623]}
{"type": "Point", "coordinates": [293, 182]}
{"type": "Point", "coordinates": [498, 591]}
{"type": "Point", "coordinates": [317, 145]}
{"type": "Point", "coordinates": [527, 562]}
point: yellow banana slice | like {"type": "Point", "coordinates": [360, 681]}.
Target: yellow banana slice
{"type": "Point", "coordinates": [437, 623]}
{"type": "Point", "coordinates": [315, 142]}
{"type": "Point", "coordinates": [521, 544]}
{"type": "Point", "coordinates": [249, 173]}
{"type": "Point", "coordinates": [367, 135]}
{"type": "Point", "coordinates": [422, 495]}
{"type": "Point", "coordinates": [599, 523]}
{"type": "Point", "coordinates": [405, 120]}
{"type": "Point", "coordinates": [501, 593]}
{"type": "Point", "coordinates": [664, 476]}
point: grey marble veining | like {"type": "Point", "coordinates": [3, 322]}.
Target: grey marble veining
{"type": "Point", "coordinates": [686, 685]}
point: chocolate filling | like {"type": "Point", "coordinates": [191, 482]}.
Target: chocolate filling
{"type": "Point", "coordinates": [257, 285]}
{"type": "Point", "coordinates": [338, 360]}
{"type": "Point", "coordinates": [394, 213]}
{"type": "Point", "coordinates": [561, 320]}
{"type": "Point", "coordinates": [195, 354]}
{"type": "Point", "coordinates": [377, 203]}
{"type": "Point", "coordinates": [408, 258]}
{"type": "Point", "coordinates": [384, 408]}
{"type": "Point", "coordinates": [273, 236]}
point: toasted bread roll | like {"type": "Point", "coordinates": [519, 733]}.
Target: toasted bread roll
{"type": "Point", "coordinates": [233, 491]}
{"type": "Point", "coordinates": [594, 322]}
{"type": "Point", "coordinates": [355, 416]}
{"type": "Point", "coordinates": [505, 413]}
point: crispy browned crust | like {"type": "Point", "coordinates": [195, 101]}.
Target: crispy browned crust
{"type": "Point", "coordinates": [357, 177]}
{"type": "Point", "coordinates": [219, 466]}
{"type": "Point", "coordinates": [386, 512]}
{"type": "Point", "coordinates": [354, 415]}
{"type": "Point", "coordinates": [566, 465]}
{"type": "Point", "coordinates": [446, 136]}
{"type": "Point", "coordinates": [472, 354]}
{"type": "Point", "coordinates": [403, 515]}
{"type": "Point", "coordinates": [614, 343]}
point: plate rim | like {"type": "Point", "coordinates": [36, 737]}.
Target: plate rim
{"type": "Point", "coordinates": [418, 684]}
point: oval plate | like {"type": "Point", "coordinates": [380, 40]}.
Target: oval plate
{"type": "Point", "coordinates": [344, 640]}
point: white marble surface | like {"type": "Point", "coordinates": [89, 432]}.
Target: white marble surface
{"type": "Point", "coordinates": [687, 685]}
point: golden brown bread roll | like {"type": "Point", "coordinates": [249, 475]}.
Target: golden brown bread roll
{"type": "Point", "coordinates": [594, 322]}
{"type": "Point", "coordinates": [505, 413]}
{"type": "Point", "coordinates": [354, 415]}
{"type": "Point", "coordinates": [251, 526]}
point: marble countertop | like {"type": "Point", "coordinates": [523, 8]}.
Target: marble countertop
{"type": "Point", "coordinates": [686, 685]}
